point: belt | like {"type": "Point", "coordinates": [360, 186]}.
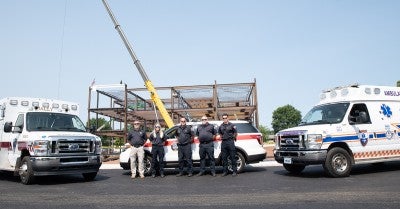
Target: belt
{"type": "Point", "coordinates": [137, 145]}
{"type": "Point", "coordinates": [205, 142]}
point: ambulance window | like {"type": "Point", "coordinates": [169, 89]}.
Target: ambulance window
{"type": "Point", "coordinates": [359, 114]}
{"type": "Point", "coordinates": [19, 124]}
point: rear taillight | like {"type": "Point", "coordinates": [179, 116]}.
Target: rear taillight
{"type": "Point", "coordinates": [259, 139]}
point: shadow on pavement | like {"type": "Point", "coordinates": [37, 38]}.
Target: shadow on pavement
{"type": "Point", "coordinates": [316, 171]}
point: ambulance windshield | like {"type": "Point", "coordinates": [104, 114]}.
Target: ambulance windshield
{"type": "Point", "coordinates": [325, 114]}
{"type": "Point", "coordinates": [47, 121]}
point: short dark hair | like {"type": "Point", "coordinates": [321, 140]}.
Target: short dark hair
{"type": "Point", "coordinates": [224, 114]}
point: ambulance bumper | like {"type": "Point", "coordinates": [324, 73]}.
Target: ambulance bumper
{"type": "Point", "coordinates": [306, 157]}
{"type": "Point", "coordinates": [65, 165]}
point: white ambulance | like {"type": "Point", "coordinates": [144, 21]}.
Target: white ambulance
{"type": "Point", "coordinates": [350, 125]}
{"type": "Point", "coordinates": [249, 147]}
{"type": "Point", "coordinates": [45, 137]}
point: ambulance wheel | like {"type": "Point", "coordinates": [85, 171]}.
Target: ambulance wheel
{"type": "Point", "coordinates": [240, 163]}
{"type": "Point", "coordinates": [338, 162]}
{"type": "Point", "coordinates": [89, 176]}
{"type": "Point", "coordinates": [147, 165]}
{"type": "Point", "coordinates": [25, 171]}
{"type": "Point", "coordinates": [294, 168]}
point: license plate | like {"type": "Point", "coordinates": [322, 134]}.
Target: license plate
{"type": "Point", "coordinates": [287, 160]}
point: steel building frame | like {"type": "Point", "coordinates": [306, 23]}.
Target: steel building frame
{"type": "Point", "coordinates": [121, 105]}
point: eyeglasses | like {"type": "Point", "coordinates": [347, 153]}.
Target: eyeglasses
{"type": "Point", "coordinates": [158, 127]}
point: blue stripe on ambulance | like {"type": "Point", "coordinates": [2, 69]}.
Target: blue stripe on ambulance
{"type": "Point", "coordinates": [352, 137]}
{"type": "Point", "coordinates": [340, 138]}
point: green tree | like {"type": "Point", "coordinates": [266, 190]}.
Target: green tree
{"type": "Point", "coordinates": [398, 83]}
{"type": "Point", "coordinates": [265, 132]}
{"type": "Point", "coordinates": [103, 124]}
{"type": "Point", "coordinates": [285, 117]}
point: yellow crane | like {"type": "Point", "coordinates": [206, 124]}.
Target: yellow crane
{"type": "Point", "coordinates": [149, 85]}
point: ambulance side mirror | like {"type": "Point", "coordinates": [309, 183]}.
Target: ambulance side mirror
{"type": "Point", "coordinates": [8, 127]}
{"type": "Point", "coordinates": [362, 117]}
{"type": "Point", "coordinates": [352, 120]}
{"type": "Point", "coordinates": [92, 129]}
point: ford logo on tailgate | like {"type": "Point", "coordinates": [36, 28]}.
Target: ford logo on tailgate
{"type": "Point", "coordinates": [73, 146]}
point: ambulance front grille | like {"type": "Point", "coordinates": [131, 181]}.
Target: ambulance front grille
{"type": "Point", "coordinates": [72, 147]}
{"type": "Point", "coordinates": [291, 141]}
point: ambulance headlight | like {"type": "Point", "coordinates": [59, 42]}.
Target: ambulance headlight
{"type": "Point", "coordinates": [41, 147]}
{"type": "Point", "coordinates": [277, 141]}
{"type": "Point", "coordinates": [97, 145]}
{"type": "Point", "coordinates": [313, 141]}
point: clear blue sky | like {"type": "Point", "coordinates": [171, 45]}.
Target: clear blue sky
{"type": "Point", "coordinates": [294, 49]}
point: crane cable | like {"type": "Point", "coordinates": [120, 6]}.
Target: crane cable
{"type": "Point", "coordinates": [61, 50]}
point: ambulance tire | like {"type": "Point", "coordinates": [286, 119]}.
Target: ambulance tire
{"type": "Point", "coordinates": [89, 176]}
{"type": "Point", "coordinates": [294, 168]}
{"type": "Point", "coordinates": [240, 163]}
{"type": "Point", "coordinates": [147, 165]}
{"type": "Point", "coordinates": [338, 162]}
{"type": "Point", "coordinates": [25, 171]}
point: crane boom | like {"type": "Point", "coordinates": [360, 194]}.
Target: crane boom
{"type": "Point", "coordinates": [149, 85]}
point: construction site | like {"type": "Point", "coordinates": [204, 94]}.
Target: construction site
{"type": "Point", "coordinates": [120, 105]}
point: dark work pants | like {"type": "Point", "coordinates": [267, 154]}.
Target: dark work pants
{"type": "Point", "coordinates": [158, 154]}
{"type": "Point", "coordinates": [185, 156]}
{"type": "Point", "coordinates": [207, 150]}
{"type": "Point", "coordinates": [228, 149]}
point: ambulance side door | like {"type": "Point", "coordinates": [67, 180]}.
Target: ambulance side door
{"type": "Point", "coordinates": [16, 140]}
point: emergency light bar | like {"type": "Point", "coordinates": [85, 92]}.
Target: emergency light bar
{"type": "Point", "coordinates": [44, 105]}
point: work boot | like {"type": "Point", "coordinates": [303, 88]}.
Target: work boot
{"type": "Point", "coordinates": [200, 174]}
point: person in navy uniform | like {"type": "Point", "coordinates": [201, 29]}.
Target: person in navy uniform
{"type": "Point", "coordinates": [157, 139]}
{"type": "Point", "coordinates": [206, 135]}
{"type": "Point", "coordinates": [185, 136]}
{"type": "Point", "coordinates": [137, 138]}
{"type": "Point", "coordinates": [228, 133]}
